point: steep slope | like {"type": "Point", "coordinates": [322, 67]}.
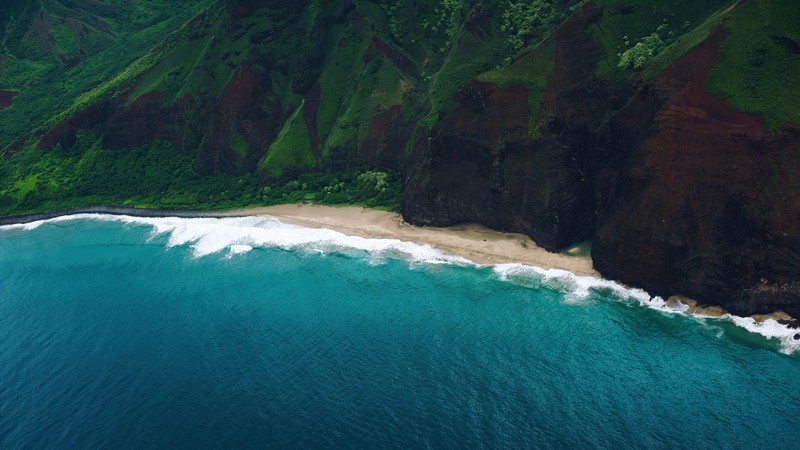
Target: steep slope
{"type": "Point", "coordinates": [272, 90]}
{"type": "Point", "coordinates": [52, 51]}
{"type": "Point", "coordinates": [666, 132]}
{"type": "Point", "coordinates": [709, 199]}
{"type": "Point", "coordinates": [532, 164]}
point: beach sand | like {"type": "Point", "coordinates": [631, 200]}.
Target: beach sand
{"type": "Point", "coordinates": [474, 242]}
{"type": "Point", "coordinates": [477, 243]}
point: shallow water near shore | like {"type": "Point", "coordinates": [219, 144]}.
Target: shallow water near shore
{"type": "Point", "coordinates": [244, 332]}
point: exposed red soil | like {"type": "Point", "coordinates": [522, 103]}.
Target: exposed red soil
{"type": "Point", "coordinates": [386, 139]}
{"type": "Point", "coordinates": [138, 123]}
{"type": "Point", "coordinates": [244, 106]}
{"type": "Point", "coordinates": [577, 56]}
{"type": "Point", "coordinates": [507, 112]}
{"type": "Point", "coordinates": [717, 202]}
{"type": "Point", "coordinates": [196, 20]}
{"type": "Point", "coordinates": [693, 103]}
{"type": "Point", "coordinates": [310, 110]}
{"type": "Point", "coordinates": [65, 132]}
{"type": "Point", "coordinates": [215, 153]}
{"type": "Point", "coordinates": [6, 98]}
{"type": "Point", "coordinates": [355, 18]}
{"type": "Point", "coordinates": [378, 47]}
{"type": "Point", "coordinates": [16, 146]}
{"type": "Point", "coordinates": [39, 32]}
{"type": "Point", "coordinates": [237, 92]}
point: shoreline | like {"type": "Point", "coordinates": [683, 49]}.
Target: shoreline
{"type": "Point", "coordinates": [474, 242]}
{"type": "Point", "coordinates": [114, 210]}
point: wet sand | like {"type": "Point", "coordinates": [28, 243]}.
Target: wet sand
{"type": "Point", "coordinates": [474, 242]}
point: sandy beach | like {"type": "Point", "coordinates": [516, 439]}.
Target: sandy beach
{"type": "Point", "coordinates": [474, 242]}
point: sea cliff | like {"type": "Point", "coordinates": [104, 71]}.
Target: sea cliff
{"type": "Point", "coordinates": [667, 134]}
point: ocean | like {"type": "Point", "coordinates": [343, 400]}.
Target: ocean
{"type": "Point", "coordinates": [123, 332]}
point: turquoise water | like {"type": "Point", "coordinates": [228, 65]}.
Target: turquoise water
{"type": "Point", "coordinates": [242, 333]}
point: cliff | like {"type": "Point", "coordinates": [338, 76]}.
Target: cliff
{"type": "Point", "coordinates": [667, 134]}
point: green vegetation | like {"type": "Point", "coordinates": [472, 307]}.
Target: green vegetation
{"type": "Point", "coordinates": [448, 16]}
{"type": "Point", "coordinates": [625, 25]}
{"type": "Point", "coordinates": [97, 50]}
{"type": "Point", "coordinates": [522, 18]}
{"type": "Point", "coordinates": [238, 94]}
{"type": "Point", "coordinates": [640, 54]}
{"type": "Point", "coordinates": [433, 25]}
{"type": "Point", "coordinates": [291, 151]}
{"type": "Point", "coordinates": [373, 189]}
{"type": "Point", "coordinates": [468, 58]}
{"type": "Point", "coordinates": [155, 175]}
{"type": "Point", "coordinates": [759, 58]}
{"type": "Point", "coordinates": [354, 91]}
{"type": "Point", "coordinates": [686, 42]}
{"type": "Point", "coordinates": [158, 176]}
{"type": "Point", "coordinates": [532, 71]}
{"type": "Point", "coordinates": [335, 91]}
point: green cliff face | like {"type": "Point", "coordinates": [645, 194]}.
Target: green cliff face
{"type": "Point", "coordinates": [618, 120]}
{"type": "Point", "coordinates": [259, 93]}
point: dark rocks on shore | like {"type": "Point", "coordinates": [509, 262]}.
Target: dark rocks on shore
{"type": "Point", "coordinates": [101, 209]}
{"type": "Point", "coordinates": [679, 193]}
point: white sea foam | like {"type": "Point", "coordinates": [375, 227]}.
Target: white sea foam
{"type": "Point", "coordinates": [579, 289]}
{"type": "Point", "coordinates": [239, 235]}
{"type": "Point", "coordinates": [770, 329]}
{"type": "Point", "coordinates": [239, 249]}
{"type": "Point", "coordinates": [26, 226]}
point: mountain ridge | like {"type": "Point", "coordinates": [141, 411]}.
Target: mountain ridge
{"type": "Point", "coordinates": [607, 120]}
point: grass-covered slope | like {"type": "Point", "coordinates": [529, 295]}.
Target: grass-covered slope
{"type": "Point", "coordinates": [243, 89]}
{"type": "Point", "coordinates": [51, 52]}
{"type": "Point", "coordinates": [760, 62]}
{"type": "Point", "coordinates": [257, 93]}
{"type": "Point", "coordinates": [669, 126]}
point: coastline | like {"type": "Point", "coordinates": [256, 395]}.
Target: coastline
{"type": "Point", "coordinates": [475, 242]}
{"type": "Point", "coordinates": [114, 210]}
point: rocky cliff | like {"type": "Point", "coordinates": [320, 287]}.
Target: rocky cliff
{"type": "Point", "coordinates": [667, 134]}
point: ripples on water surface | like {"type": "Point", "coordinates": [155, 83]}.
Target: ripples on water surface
{"type": "Point", "coordinates": [122, 332]}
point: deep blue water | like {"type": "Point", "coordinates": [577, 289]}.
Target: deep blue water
{"type": "Point", "coordinates": [240, 334]}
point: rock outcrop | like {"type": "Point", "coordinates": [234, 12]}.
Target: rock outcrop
{"type": "Point", "coordinates": [708, 201]}
{"type": "Point", "coordinates": [681, 193]}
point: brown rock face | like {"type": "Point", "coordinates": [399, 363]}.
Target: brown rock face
{"type": "Point", "coordinates": [242, 108]}
{"type": "Point", "coordinates": [681, 194]}
{"type": "Point", "coordinates": [386, 138]}
{"type": "Point", "coordinates": [708, 203]}
{"type": "Point", "coordinates": [461, 177]}
{"type": "Point", "coordinates": [6, 98]}
{"type": "Point", "coordinates": [482, 165]}
{"type": "Point", "coordinates": [137, 124]}
{"type": "Point", "coordinates": [65, 133]}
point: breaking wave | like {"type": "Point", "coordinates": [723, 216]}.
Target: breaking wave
{"type": "Point", "coordinates": [239, 235]}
